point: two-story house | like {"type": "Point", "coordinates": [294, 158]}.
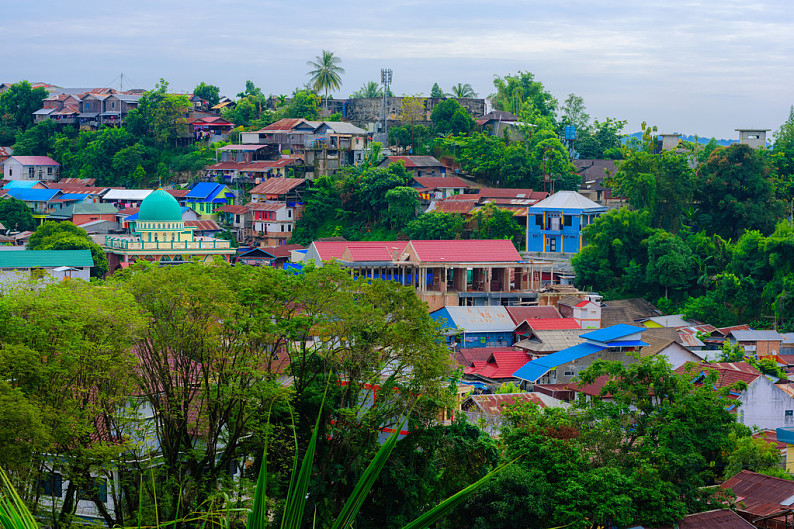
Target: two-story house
{"type": "Point", "coordinates": [273, 222]}
{"type": "Point", "coordinates": [42, 168]}
{"type": "Point", "coordinates": [555, 224]}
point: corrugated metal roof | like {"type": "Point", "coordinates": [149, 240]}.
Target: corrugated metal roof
{"type": "Point", "coordinates": [520, 314]}
{"type": "Point", "coordinates": [21, 184]}
{"type": "Point", "coordinates": [329, 250]}
{"type": "Point", "coordinates": [234, 209]}
{"type": "Point", "coordinates": [277, 186]}
{"type": "Point", "coordinates": [458, 206]}
{"type": "Point", "coordinates": [203, 225]}
{"type": "Point", "coordinates": [549, 324]}
{"type": "Point", "coordinates": [413, 161]}
{"type": "Point", "coordinates": [35, 160]}
{"type": "Point", "coordinates": [761, 495]}
{"type": "Point", "coordinates": [34, 195]}
{"type": "Point", "coordinates": [552, 341]}
{"type": "Point", "coordinates": [568, 200]}
{"type": "Point", "coordinates": [494, 405]}
{"type": "Point", "coordinates": [511, 192]}
{"type": "Point", "coordinates": [127, 194]}
{"type": "Point", "coordinates": [203, 190]}
{"type": "Point", "coordinates": [754, 336]}
{"type": "Point", "coordinates": [355, 254]}
{"type": "Point", "coordinates": [532, 371]}
{"type": "Point", "coordinates": [441, 182]}
{"type": "Point", "coordinates": [479, 319]}
{"type": "Point", "coordinates": [500, 365]}
{"type": "Point", "coordinates": [466, 251]}
{"type": "Point", "coordinates": [722, 519]}
{"type": "Point", "coordinates": [266, 206]}
{"type": "Point", "coordinates": [615, 332]}
{"type": "Point", "coordinates": [45, 258]}
{"type": "Point", "coordinates": [239, 147]}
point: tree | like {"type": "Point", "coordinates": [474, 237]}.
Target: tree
{"type": "Point", "coordinates": [602, 140]}
{"type": "Point", "coordinates": [326, 72]}
{"type": "Point", "coordinates": [495, 223]}
{"type": "Point", "coordinates": [15, 215]}
{"type": "Point", "coordinates": [436, 92]}
{"type": "Point", "coordinates": [17, 105]}
{"type": "Point", "coordinates": [412, 109]}
{"type": "Point", "coordinates": [734, 192]}
{"type": "Point", "coordinates": [210, 93]}
{"type": "Point", "coordinates": [403, 204]}
{"type": "Point", "coordinates": [449, 117]}
{"type": "Point", "coordinates": [670, 263]}
{"type": "Point", "coordinates": [66, 236]}
{"type": "Point", "coordinates": [460, 91]}
{"type": "Point", "coordinates": [37, 140]}
{"type": "Point", "coordinates": [436, 225]}
{"type": "Point", "coordinates": [369, 89]}
{"type": "Point", "coordinates": [615, 254]}
{"type": "Point", "coordinates": [755, 455]}
{"type": "Point", "coordinates": [160, 116]}
{"type": "Point", "coordinates": [514, 91]}
{"type": "Point", "coordinates": [783, 157]}
{"type": "Point", "coordinates": [304, 104]}
{"type": "Point", "coordinates": [573, 113]}
{"type": "Point", "coordinates": [74, 367]}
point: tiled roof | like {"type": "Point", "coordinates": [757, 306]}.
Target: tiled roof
{"type": "Point", "coordinates": [441, 182]}
{"type": "Point", "coordinates": [177, 193]}
{"type": "Point", "coordinates": [468, 356]}
{"type": "Point", "coordinates": [413, 161]}
{"type": "Point", "coordinates": [203, 225]}
{"type": "Point", "coordinates": [328, 250]}
{"type": "Point", "coordinates": [761, 495]}
{"type": "Point", "coordinates": [466, 251]}
{"type": "Point", "coordinates": [34, 160]}
{"type": "Point", "coordinates": [520, 314]}
{"type": "Point", "coordinates": [277, 186]}
{"type": "Point", "coordinates": [728, 372]}
{"type": "Point", "coordinates": [500, 365]}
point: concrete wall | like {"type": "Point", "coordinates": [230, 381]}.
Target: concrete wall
{"type": "Point", "coordinates": [363, 112]}
{"type": "Point", "coordinates": [765, 405]}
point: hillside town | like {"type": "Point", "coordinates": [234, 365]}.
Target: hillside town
{"type": "Point", "coordinates": [587, 327]}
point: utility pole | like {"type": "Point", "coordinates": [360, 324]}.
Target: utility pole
{"type": "Point", "coordinates": [385, 80]}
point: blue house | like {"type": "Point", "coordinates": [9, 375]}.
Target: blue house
{"type": "Point", "coordinates": [469, 327]}
{"type": "Point", "coordinates": [206, 197]}
{"type": "Point", "coordinates": [555, 224]}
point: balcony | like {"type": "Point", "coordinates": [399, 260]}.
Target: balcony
{"type": "Point", "coordinates": [136, 244]}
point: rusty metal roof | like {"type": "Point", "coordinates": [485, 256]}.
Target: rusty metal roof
{"type": "Point", "coordinates": [277, 186]}
{"type": "Point", "coordinates": [761, 495]}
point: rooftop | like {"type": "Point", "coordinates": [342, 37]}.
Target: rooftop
{"type": "Point", "coordinates": [567, 200]}
{"type": "Point", "coordinates": [46, 258]}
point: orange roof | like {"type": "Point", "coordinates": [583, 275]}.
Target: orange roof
{"type": "Point", "coordinates": [277, 186]}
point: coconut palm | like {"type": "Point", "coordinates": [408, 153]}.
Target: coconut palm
{"type": "Point", "coordinates": [370, 89]}
{"type": "Point", "coordinates": [326, 73]}
{"type": "Point", "coordinates": [461, 90]}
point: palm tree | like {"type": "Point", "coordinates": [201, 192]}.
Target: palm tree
{"type": "Point", "coordinates": [326, 73]}
{"type": "Point", "coordinates": [370, 89]}
{"type": "Point", "coordinates": [461, 90]}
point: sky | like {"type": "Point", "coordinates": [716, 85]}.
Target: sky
{"type": "Point", "coordinates": [696, 67]}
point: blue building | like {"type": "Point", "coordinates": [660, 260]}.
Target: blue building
{"type": "Point", "coordinates": [555, 224]}
{"type": "Point", "coordinates": [470, 327]}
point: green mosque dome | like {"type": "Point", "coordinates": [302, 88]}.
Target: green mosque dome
{"type": "Point", "coordinates": [160, 206]}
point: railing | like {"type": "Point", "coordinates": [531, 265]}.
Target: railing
{"type": "Point", "coordinates": [200, 244]}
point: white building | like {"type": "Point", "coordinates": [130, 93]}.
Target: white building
{"type": "Point", "coordinates": [31, 168]}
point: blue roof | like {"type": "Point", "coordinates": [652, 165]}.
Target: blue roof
{"type": "Point", "coordinates": [627, 343]}
{"type": "Point", "coordinates": [785, 435]}
{"type": "Point", "coordinates": [535, 369]}
{"type": "Point", "coordinates": [20, 184]}
{"type": "Point", "coordinates": [612, 333]}
{"type": "Point", "coordinates": [73, 196]}
{"type": "Point", "coordinates": [33, 195]}
{"type": "Point", "coordinates": [203, 190]}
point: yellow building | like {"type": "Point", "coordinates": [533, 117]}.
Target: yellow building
{"type": "Point", "coordinates": [161, 236]}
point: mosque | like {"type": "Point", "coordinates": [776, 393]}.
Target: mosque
{"type": "Point", "coordinates": [160, 235]}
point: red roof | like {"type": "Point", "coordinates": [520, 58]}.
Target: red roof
{"type": "Point", "coordinates": [283, 124]}
{"type": "Point", "coordinates": [459, 206]}
{"type": "Point", "coordinates": [501, 364]}
{"type": "Point", "coordinates": [270, 164]}
{"type": "Point", "coordinates": [177, 193]}
{"type": "Point", "coordinates": [277, 186]}
{"type": "Point", "coordinates": [231, 208]}
{"type": "Point", "coordinates": [467, 357]}
{"type": "Point", "coordinates": [328, 250]}
{"type": "Point", "coordinates": [728, 330]}
{"type": "Point", "coordinates": [468, 251]}
{"type": "Point", "coordinates": [35, 160]}
{"type": "Point", "coordinates": [441, 182]}
{"type": "Point", "coordinates": [78, 181]}
{"type": "Point", "coordinates": [729, 372]}
{"type": "Point", "coordinates": [203, 225]}
{"type": "Point", "coordinates": [367, 253]}
{"type": "Point", "coordinates": [761, 495]}
{"type": "Point", "coordinates": [495, 404]}
{"type": "Point", "coordinates": [722, 519]}
{"type": "Point", "coordinates": [228, 166]}
{"type": "Point", "coordinates": [467, 197]}
{"type": "Point", "coordinates": [519, 314]}
{"type": "Point", "coordinates": [550, 324]}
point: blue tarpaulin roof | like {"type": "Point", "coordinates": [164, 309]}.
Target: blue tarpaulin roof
{"type": "Point", "coordinates": [33, 195]}
{"type": "Point", "coordinates": [535, 369]}
{"type": "Point", "coordinates": [612, 333]}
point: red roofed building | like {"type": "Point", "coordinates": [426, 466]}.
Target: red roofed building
{"type": "Point", "coordinates": [519, 314]}
{"type": "Point", "coordinates": [546, 324]}
{"type": "Point", "coordinates": [284, 189]}
{"type": "Point", "coordinates": [41, 168]}
{"type": "Point", "coordinates": [490, 408]}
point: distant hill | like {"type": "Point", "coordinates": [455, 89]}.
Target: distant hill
{"type": "Point", "coordinates": [689, 137]}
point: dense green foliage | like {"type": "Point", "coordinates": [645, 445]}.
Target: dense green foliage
{"type": "Point", "coordinates": [66, 236]}
{"type": "Point", "coordinates": [17, 105]}
{"type": "Point", "coordinates": [15, 215]}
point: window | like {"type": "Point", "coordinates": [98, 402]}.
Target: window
{"type": "Point", "coordinates": [789, 413]}
{"type": "Point", "coordinates": [566, 220]}
{"type": "Point", "coordinates": [539, 220]}
{"type": "Point", "coordinates": [100, 487]}
{"type": "Point", "coordinates": [49, 170]}
{"type": "Point", "coordinates": [51, 484]}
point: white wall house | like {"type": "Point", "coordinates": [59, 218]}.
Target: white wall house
{"type": "Point", "coordinates": [31, 168]}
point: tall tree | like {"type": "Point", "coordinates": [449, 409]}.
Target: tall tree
{"type": "Point", "coordinates": [449, 117]}
{"type": "Point", "coordinates": [460, 91]}
{"type": "Point", "coordinates": [15, 215]}
{"type": "Point", "coordinates": [17, 105]}
{"type": "Point", "coordinates": [412, 110]}
{"type": "Point", "coordinates": [436, 92]}
{"type": "Point", "coordinates": [369, 89]}
{"type": "Point", "coordinates": [208, 92]}
{"type": "Point", "coordinates": [326, 73]}
{"type": "Point", "coordinates": [514, 91]}
{"type": "Point", "coordinates": [574, 113]}
{"type": "Point", "coordinates": [734, 192]}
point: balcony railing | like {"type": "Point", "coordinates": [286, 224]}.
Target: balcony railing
{"type": "Point", "coordinates": [138, 245]}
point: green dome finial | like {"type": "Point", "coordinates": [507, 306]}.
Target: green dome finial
{"type": "Point", "coordinates": [160, 206]}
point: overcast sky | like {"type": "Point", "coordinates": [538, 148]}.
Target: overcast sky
{"type": "Point", "coordinates": [705, 67]}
